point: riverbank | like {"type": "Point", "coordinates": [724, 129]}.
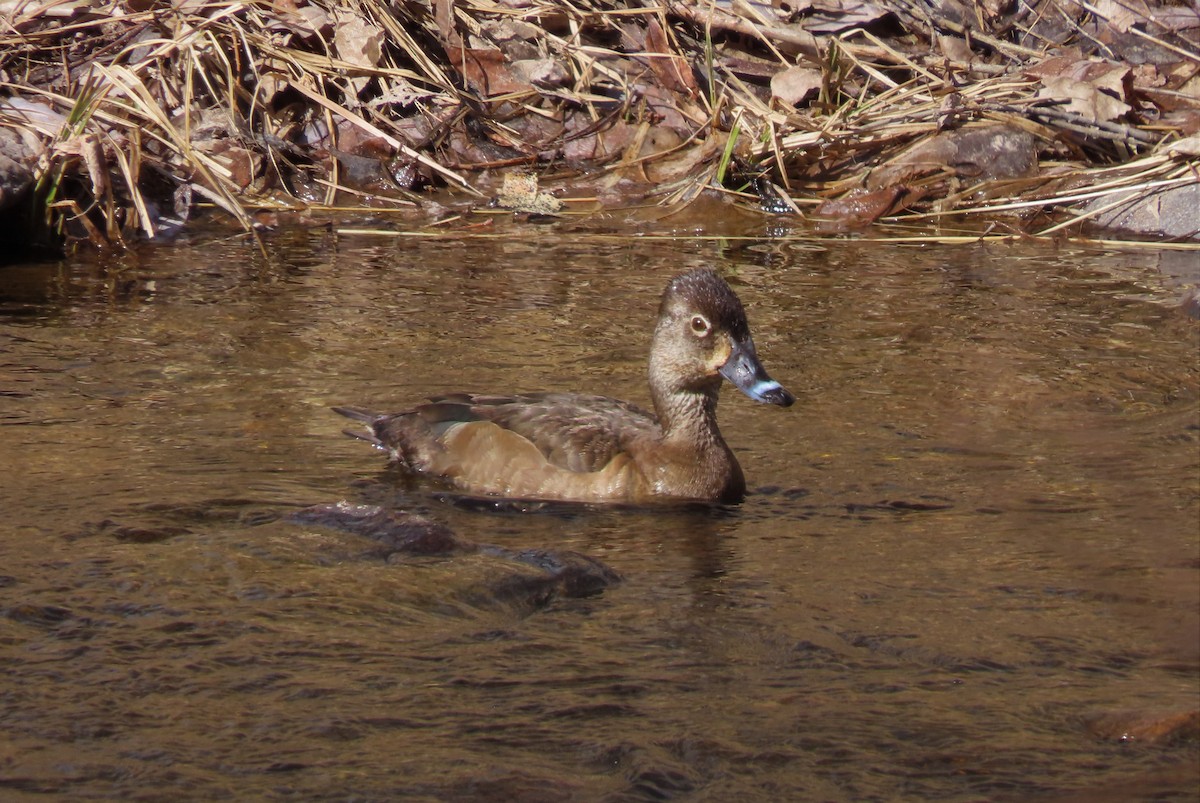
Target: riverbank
{"type": "Point", "coordinates": [1025, 119]}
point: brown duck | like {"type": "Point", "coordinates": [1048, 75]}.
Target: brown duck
{"type": "Point", "coordinates": [575, 447]}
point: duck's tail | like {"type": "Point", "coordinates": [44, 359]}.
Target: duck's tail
{"type": "Point", "coordinates": [366, 417]}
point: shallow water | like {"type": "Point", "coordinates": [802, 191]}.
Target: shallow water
{"type": "Point", "coordinates": [969, 567]}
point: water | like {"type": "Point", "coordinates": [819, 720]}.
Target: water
{"type": "Point", "coordinates": [969, 567]}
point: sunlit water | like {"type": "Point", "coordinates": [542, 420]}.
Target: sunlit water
{"type": "Point", "coordinates": [973, 538]}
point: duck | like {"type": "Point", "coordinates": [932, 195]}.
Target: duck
{"type": "Point", "coordinates": [574, 447]}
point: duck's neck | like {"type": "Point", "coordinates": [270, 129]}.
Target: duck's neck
{"type": "Point", "coordinates": [688, 415]}
{"type": "Point", "coordinates": [697, 462]}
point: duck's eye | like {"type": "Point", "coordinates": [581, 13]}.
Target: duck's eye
{"type": "Point", "coordinates": [700, 325]}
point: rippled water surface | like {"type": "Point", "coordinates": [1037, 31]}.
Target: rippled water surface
{"type": "Point", "coordinates": [969, 567]}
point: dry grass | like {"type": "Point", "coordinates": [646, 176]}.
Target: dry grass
{"type": "Point", "coordinates": [281, 106]}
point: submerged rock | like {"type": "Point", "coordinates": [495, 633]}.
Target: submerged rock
{"type": "Point", "coordinates": [1147, 727]}
{"type": "Point", "coordinates": [393, 531]}
{"type": "Point", "coordinates": [397, 534]}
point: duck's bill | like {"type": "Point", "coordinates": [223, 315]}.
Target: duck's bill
{"type": "Point", "coordinates": [747, 374]}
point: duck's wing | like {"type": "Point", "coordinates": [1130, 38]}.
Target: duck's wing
{"type": "Point", "coordinates": [573, 431]}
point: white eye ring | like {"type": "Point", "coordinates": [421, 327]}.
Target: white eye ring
{"type": "Point", "coordinates": [700, 325]}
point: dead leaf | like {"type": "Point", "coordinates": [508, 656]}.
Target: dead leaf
{"type": "Point", "coordinates": [97, 165]}
{"type": "Point", "coordinates": [486, 71]}
{"type": "Point", "coordinates": [400, 92]}
{"type": "Point", "coordinates": [1188, 146]}
{"type": "Point", "coordinates": [358, 41]}
{"type": "Point", "coordinates": [443, 17]}
{"type": "Point", "coordinates": [666, 109]}
{"type": "Point", "coordinates": [950, 112]}
{"type": "Point", "coordinates": [586, 141]}
{"type": "Point", "coordinates": [1083, 98]}
{"type": "Point", "coordinates": [955, 48]}
{"type": "Point", "coordinates": [997, 8]}
{"type": "Point", "coordinates": [795, 85]}
{"type": "Point", "coordinates": [1094, 89]}
{"type": "Point", "coordinates": [671, 69]}
{"type": "Point", "coordinates": [1124, 15]}
{"type": "Point", "coordinates": [859, 207]}
{"type": "Point", "coordinates": [836, 16]}
{"type": "Point", "coordinates": [542, 73]}
{"type": "Point", "coordinates": [34, 115]}
{"type": "Point", "coordinates": [307, 21]}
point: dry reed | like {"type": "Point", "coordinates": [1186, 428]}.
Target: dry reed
{"type": "Point", "coordinates": [254, 106]}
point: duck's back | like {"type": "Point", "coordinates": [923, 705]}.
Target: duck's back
{"type": "Point", "coordinates": [544, 445]}
{"type": "Point", "coordinates": [573, 431]}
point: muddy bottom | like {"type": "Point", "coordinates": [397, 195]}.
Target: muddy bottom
{"type": "Point", "coordinates": [968, 568]}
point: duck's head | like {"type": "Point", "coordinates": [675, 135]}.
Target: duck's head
{"type": "Point", "coordinates": [702, 335]}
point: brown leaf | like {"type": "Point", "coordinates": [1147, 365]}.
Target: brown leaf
{"type": "Point", "coordinates": [242, 165]}
{"type": "Point", "coordinates": [1084, 98]}
{"type": "Point", "coordinates": [542, 73]}
{"type": "Point", "coordinates": [1188, 146]}
{"type": "Point", "coordinates": [997, 8]}
{"type": "Point", "coordinates": [671, 70]}
{"type": "Point", "coordinates": [859, 207]}
{"type": "Point", "coordinates": [795, 85]}
{"type": "Point", "coordinates": [1124, 15]}
{"type": "Point", "coordinates": [358, 41]}
{"type": "Point", "coordinates": [584, 142]}
{"type": "Point", "coordinates": [835, 16]}
{"type": "Point", "coordinates": [666, 109]}
{"type": "Point", "coordinates": [486, 71]}
{"type": "Point", "coordinates": [306, 21]}
{"type": "Point", "coordinates": [789, 39]}
{"type": "Point", "coordinates": [955, 48]}
{"type": "Point", "coordinates": [443, 17]}
{"type": "Point", "coordinates": [97, 165]}
{"type": "Point", "coordinates": [1095, 89]}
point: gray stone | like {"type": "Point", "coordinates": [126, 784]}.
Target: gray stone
{"type": "Point", "coordinates": [16, 175]}
{"type": "Point", "coordinates": [1171, 212]}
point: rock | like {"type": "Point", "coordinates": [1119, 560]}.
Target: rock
{"type": "Point", "coordinates": [1169, 212]}
{"type": "Point", "coordinates": [1146, 727]}
{"type": "Point", "coordinates": [396, 531]}
{"type": "Point", "coordinates": [399, 533]}
{"type": "Point", "coordinates": [519, 192]}
{"type": "Point", "coordinates": [970, 154]}
{"type": "Point", "coordinates": [16, 177]}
